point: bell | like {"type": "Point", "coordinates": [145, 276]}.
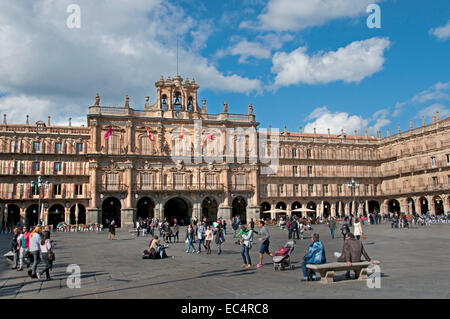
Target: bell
{"type": "Point", "coordinates": [177, 100]}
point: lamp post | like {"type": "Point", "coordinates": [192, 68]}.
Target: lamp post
{"type": "Point", "coordinates": [353, 184]}
{"type": "Point", "coordinates": [39, 185]}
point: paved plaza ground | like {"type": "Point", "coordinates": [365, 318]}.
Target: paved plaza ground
{"type": "Point", "coordinates": [415, 263]}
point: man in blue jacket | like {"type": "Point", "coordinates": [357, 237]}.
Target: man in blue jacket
{"type": "Point", "coordinates": [315, 255]}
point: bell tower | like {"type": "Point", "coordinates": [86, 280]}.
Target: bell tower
{"type": "Point", "coordinates": [176, 95]}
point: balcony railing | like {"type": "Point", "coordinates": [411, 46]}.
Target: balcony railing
{"type": "Point", "coordinates": [242, 188]}
{"type": "Point", "coordinates": [179, 187]}
{"type": "Point", "coordinates": [28, 195]}
{"type": "Point", "coordinates": [111, 187]}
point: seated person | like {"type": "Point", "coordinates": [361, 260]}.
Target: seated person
{"type": "Point", "coordinates": [315, 255]}
{"type": "Point", "coordinates": [157, 251]}
{"type": "Point", "coordinates": [352, 251]}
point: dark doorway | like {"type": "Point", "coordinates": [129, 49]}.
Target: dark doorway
{"type": "Point", "coordinates": [374, 207]}
{"type": "Point", "coordinates": [32, 215]}
{"type": "Point", "coordinates": [326, 209]}
{"type": "Point", "coordinates": [240, 209]}
{"type": "Point", "coordinates": [394, 206]}
{"type": "Point", "coordinates": [438, 206]}
{"type": "Point", "coordinates": [145, 208]}
{"type": "Point", "coordinates": [55, 215]}
{"type": "Point", "coordinates": [111, 211]}
{"type": "Point", "coordinates": [411, 206]}
{"type": "Point", "coordinates": [177, 208]}
{"type": "Point", "coordinates": [313, 206]}
{"type": "Point", "coordinates": [296, 205]}
{"type": "Point", "coordinates": [423, 205]}
{"type": "Point", "coordinates": [13, 215]}
{"type": "Point", "coordinates": [209, 209]}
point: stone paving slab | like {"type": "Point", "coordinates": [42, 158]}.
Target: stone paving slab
{"type": "Point", "coordinates": [414, 264]}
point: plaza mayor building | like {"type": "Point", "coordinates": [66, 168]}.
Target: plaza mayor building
{"type": "Point", "coordinates": [174, 159]}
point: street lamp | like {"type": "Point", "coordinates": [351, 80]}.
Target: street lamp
{"type": "Point", "coordinates": [353, 184]}
{"type": "Point", "coordinates": [39, 186]}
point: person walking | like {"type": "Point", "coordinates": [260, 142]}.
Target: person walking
{"type": "Point", "coordinates": [209, 236]}
{"type": "Point", "coordinates": [219, 239]}
{"type": "Point", "coordinates": [138, 228]}
{"type": "Point", "coordinates": [24, 244]}
{"type": "Point", "coordinates": [190, 238]}
{"type": "Point", "coordinates": [224, 225]}
{"type": "Point", "coordinates": [112, 230]}
{"type": "Point", "coordinates": [176, 230]}
{"type": "Point", "coordinates": [332, 226]}
{"type": "Point", "coordinates": [47, 255]}
{"type": "Point", "coordinates": [14, 247]}
{"type": "Point", "coordinates": [246, 242]}
{"type": "Point", "coordinates": [315, 255]}
{"type": "Point", "coordinates": [264, 236]}
{"type": "Point", "coordinates": [35, 249]}
{"type": "Point", "coordinates": [200, 236]}
{"type": "Point", "coordinates": [357, 228]}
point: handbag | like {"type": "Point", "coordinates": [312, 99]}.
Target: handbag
{"type": "Point", "coordinates": [186, 241]}
{"type": "Point", "coordinates": [363, 236]}
{"type": "Point", "coordinates": [51, 255]}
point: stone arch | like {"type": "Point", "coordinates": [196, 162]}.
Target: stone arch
{"type": "Point", "coordinates": [55, 215]}
{"type": "Point", "coordinates": [374, 206]}
{"type": "Point", "coordinates": [423, 203]}
{"type": "Point", "coordinates": [81, 215]}
{"type": "Point", "coordinates": [239, 209]}
{"type": "Point", "coordinates": [312, 205]}
{"type": "Point", "coordinates": [209, 208]}
{"type": "Point", "coordinates": [145, 208]}
{"type": "Point", "coordinates": [111, 210]}
{"type": "Point", "coordinates": [326, 209]}
{"type": "Point", "coordinates": [394, 206]}
{"type": "Point", "coordinates": [13, 215]}
{"type": "Point", "coordinates": [179, 208]}
{"type": "Point", "coordinates": [32, 215]}
{"type": "Point", "coordinates": [438, 205]}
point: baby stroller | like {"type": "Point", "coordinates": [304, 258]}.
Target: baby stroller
{"type": "Point", "coordinates": [282, 258]}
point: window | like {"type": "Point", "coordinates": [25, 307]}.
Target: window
{"type": "Point", "coordinates": [79, 148]}
{"type": "Point", "coordinates": [35, 190]}
{"type": "Point", "coordinates": [36, 147]}
{"type": "Point", "coordinates": [435, 181]}
{"type": "Point", "coordinates": [433, 161]}
{"type": "Point", "coordinates": [240, 181]}
{"type": "Point", "coordinates": [310, 188]}
{"type": "Point", "coordinates": [36, 166]}
{"type": "Point", "coordinates": [57, 167]}
{"type": "Point", "coordinates": [308, 153]}
{"type": "Point", "coordinates": [264, 190]}
{"type": "Point", "coordinates": [375, 189]}
{"type": "Point", "coordinates": [448, 179]}
{"type": "Point", "coordinates": [210, 180]}
{"type": "Point", "coordinates": [78, 189]}
{"type": "Point", "coordinates": [57, 147]}
{"type": "Point", "coordinates": [339, 188]}
{"type": "Point", "coordinates": [294, 152]}
{"type": "Point", "coordinates": [295, 189]}
{"type": "Point", "coordinates": [112, 181]}
{"type": "Point", "coordinates": [56, 189]}
{"type": "Point", "coordinates": [280, 189]}
{"type": "Point", "coordinates": [294, 170]}
{"type": "Point", "coordinates": [14, 147]}
{"type": "Point", "coordinates": [178, 180]}
{"type": "Point", "coordinates": [367, 189]}
{"type": "Point", "coordinates": [146, 181]}
{"type": "Point", "coordinates": [448, 158]}
{"type": "Point", "coordinates": [309, 170]}
{"type": "Point", "coordinates": [325, 188]}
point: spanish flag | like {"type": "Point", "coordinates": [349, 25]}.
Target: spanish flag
{"type": "Point", "coordinates": [149, 134]}
{"type": "Point", "coordinates": [108, 133]}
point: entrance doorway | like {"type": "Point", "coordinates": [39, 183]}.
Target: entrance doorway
{"type": "Point", "coordinates": [145, 208]}
{"type": "Point", "coordinates": [111, 211]}
{"type": "Point", "coordinates": [13, 215]}
{"type": "Point", "coordinates": [177, 208]}
{"type": "Point", "coordinates": [209, 209]}
{"type": "Point", "coordinates": [55, 215]}
{"type": "Point", "coordinates": [240, 209]}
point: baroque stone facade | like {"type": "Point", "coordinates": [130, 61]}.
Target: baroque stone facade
{"type": "Point", "coordinates": [174, 159]}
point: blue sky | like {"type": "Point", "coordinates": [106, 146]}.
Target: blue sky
{"type": "Point", "coordinates": [271, 53]}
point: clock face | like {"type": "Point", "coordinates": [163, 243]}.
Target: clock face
{"type": "Point", "coordinates": [178, 114]}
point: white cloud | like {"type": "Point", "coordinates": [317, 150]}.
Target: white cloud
{"type": "Point", "coordinates": [121, 48]}
{"type": "Point", "coordinates": [431, 110]}
{"type": "Point", "coordinates": [289, 15]}
{"type": "Point", "coordinates": [323, 119]}
{"type": "Point", "coordinates": [442, 33]}
{"type": "Point", "coordinates": [261, 48]}
{"type": "Point", "coordinates": [436, 92]}
{"type": "Point", "coordinates": [352, 63]}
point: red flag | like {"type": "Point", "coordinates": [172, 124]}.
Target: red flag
{"type": "Point", "coordinates": [210, 136]}
{"type": "Point", "coordinates": [182, 131]}
{"type": "Point", "coordinates": [108, 133]}
{"type": "Point", "coordinates": [149, 134]}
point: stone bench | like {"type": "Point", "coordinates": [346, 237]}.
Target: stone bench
{"type": "Point", "coordinates": [326, 271]}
